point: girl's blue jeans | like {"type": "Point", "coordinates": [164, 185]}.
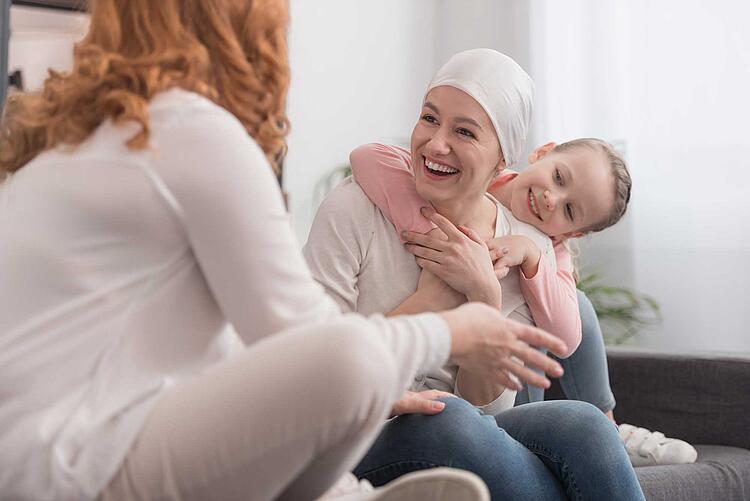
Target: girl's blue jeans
{"type": "Point", "coordinates": [586, 375]}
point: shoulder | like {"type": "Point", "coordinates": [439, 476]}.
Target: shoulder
{"type": "Point", "coordinates": [206, 158]}
{"type": "Point", "coordinates": [169, 104]}
{"type": "Point", "coordinates": [196, 140]}
{"type": "Point", "coordinates": [202, 126]}
{"type": "Point", "coordinates": [347, 202]}
{"type": "Point", "coordinates": [348, 217]}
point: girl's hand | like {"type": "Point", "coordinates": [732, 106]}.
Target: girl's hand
{"type": "Point", "coordinates": [514, 250]}
{"type": "Point", "coordinates": [488, 344]}
{"type": "Point", "coordinates": [462, 261]}
{"type": "Point", "coordinates": [423, 402]}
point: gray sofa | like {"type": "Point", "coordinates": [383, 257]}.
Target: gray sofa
{"type": "Point", "coordinates": [703, 400]}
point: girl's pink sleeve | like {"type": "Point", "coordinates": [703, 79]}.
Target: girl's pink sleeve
{"type": "Point", "coordinates": [384, 174]}
{"type": "Point", "coordinates": [552, 299]}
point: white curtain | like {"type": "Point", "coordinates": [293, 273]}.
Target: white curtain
{"type": "Point", "coordinates": [667, 83]}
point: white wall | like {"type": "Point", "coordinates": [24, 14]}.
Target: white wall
{"type": "Point", "coordinates": [497, 24]}
{"type": "Point", "coordinates": [42, 39]}
{"type": "Point", "coordinates": [358, 73]}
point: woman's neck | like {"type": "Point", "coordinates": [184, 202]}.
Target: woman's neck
{"type": "Point", "coordinates": [479, 215]}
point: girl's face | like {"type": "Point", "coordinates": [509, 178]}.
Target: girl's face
{"type": "Point", "coordinates": [455, 150]}
{"type": "Point", "coordinates": [562, 193]}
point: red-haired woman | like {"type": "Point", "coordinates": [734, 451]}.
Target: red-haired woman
{"type": "Point", "coordinates": [139, 216]}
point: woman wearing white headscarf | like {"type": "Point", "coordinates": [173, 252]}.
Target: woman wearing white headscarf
{"type": "Point", "coordinates": [474, 120]}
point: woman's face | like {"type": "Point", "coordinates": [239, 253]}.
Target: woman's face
{"type": "Point", "coordinates": [455, 150]}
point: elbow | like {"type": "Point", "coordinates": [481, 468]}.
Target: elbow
{"type": "Point", "coordinates": [572, 341]}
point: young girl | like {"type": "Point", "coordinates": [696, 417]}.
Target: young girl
{"type": "Point", "coordinates": [550, 195]}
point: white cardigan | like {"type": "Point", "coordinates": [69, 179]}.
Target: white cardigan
{"type": "Point", "coordinates": [119, 273]}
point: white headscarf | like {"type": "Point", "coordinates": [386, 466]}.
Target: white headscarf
{"type": "Point", "coordinates": [503, 89]}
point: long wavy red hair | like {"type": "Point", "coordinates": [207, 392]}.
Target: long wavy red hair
{"type": "Point", "coordinates": [233, 52]}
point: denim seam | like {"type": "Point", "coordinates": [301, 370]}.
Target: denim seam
{"type": "Point", "coordinates": [565, 470]}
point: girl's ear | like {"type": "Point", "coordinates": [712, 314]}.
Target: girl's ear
{"type": "Point", "coordinates": [541, 151]}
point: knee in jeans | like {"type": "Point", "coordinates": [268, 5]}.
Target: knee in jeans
{"type": "Point", "coordinates": [592, 428]}
{"type": "Point", "coordinates": [458, 427]}
{"type": "Point", "coordinates": [458, 409]}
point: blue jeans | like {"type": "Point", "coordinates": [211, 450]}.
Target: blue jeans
{"type": "Point", "coordinates": [586, 375]}
{"type": "Point", "coordinates": [540, 451]}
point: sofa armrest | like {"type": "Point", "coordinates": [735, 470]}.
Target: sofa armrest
{"type": "Point", "coordinates": [701, 399]}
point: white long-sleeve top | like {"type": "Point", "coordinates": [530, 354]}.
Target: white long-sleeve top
{"type": "Point", "coordinates": [119, 273]}
{"type": "Point", "coordinates": [355, 252]}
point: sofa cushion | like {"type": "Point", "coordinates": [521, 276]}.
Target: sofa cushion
{"type": "Point", "coordinates": [719, 473]}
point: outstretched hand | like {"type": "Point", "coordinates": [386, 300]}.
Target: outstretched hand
{"type": "Point", "coordinates": [485, 342]}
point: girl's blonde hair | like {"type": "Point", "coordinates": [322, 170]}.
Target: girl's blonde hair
{"type": "Point", "coordinates": [233, 52]}
{"type": "Point", "coordinates": [622, 187]}
{"type": "Point", "coordinates": [620, 173]}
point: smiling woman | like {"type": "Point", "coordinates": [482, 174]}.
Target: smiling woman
{"type": "Point", "coordinates": [456, 154]}
{"type": "Point", "coordinates": [473, 122]}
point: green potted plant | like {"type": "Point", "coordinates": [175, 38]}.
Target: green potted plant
{"type": "Point", "coordinates": [622, 312]}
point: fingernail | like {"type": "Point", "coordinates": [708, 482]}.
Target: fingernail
{"type": "Point", "coordinates": [506, 250]}
{"type": "Point", "coordinates": [438, 406]}
{"type": "Point", "coordinates": [403, 233]}
{"type": "Point", "coordinates": [423, 210]}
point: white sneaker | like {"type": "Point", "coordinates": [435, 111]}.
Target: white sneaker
{"type": "Point", "coordinates": [650, 448]}
{"type": "Point", "coordinates": [435, 484]}
{"type": "Point", "coordinates": [348, 484]}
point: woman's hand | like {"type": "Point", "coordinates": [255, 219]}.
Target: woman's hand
{"type": "Point", "coordinates": [423, 402]}
{"type": "Point", "coordinates": [514, 250]}
{"type": "Point", "coordinates": [485, 343]}
{"type": "Point", "coordinates": [462, 261]}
